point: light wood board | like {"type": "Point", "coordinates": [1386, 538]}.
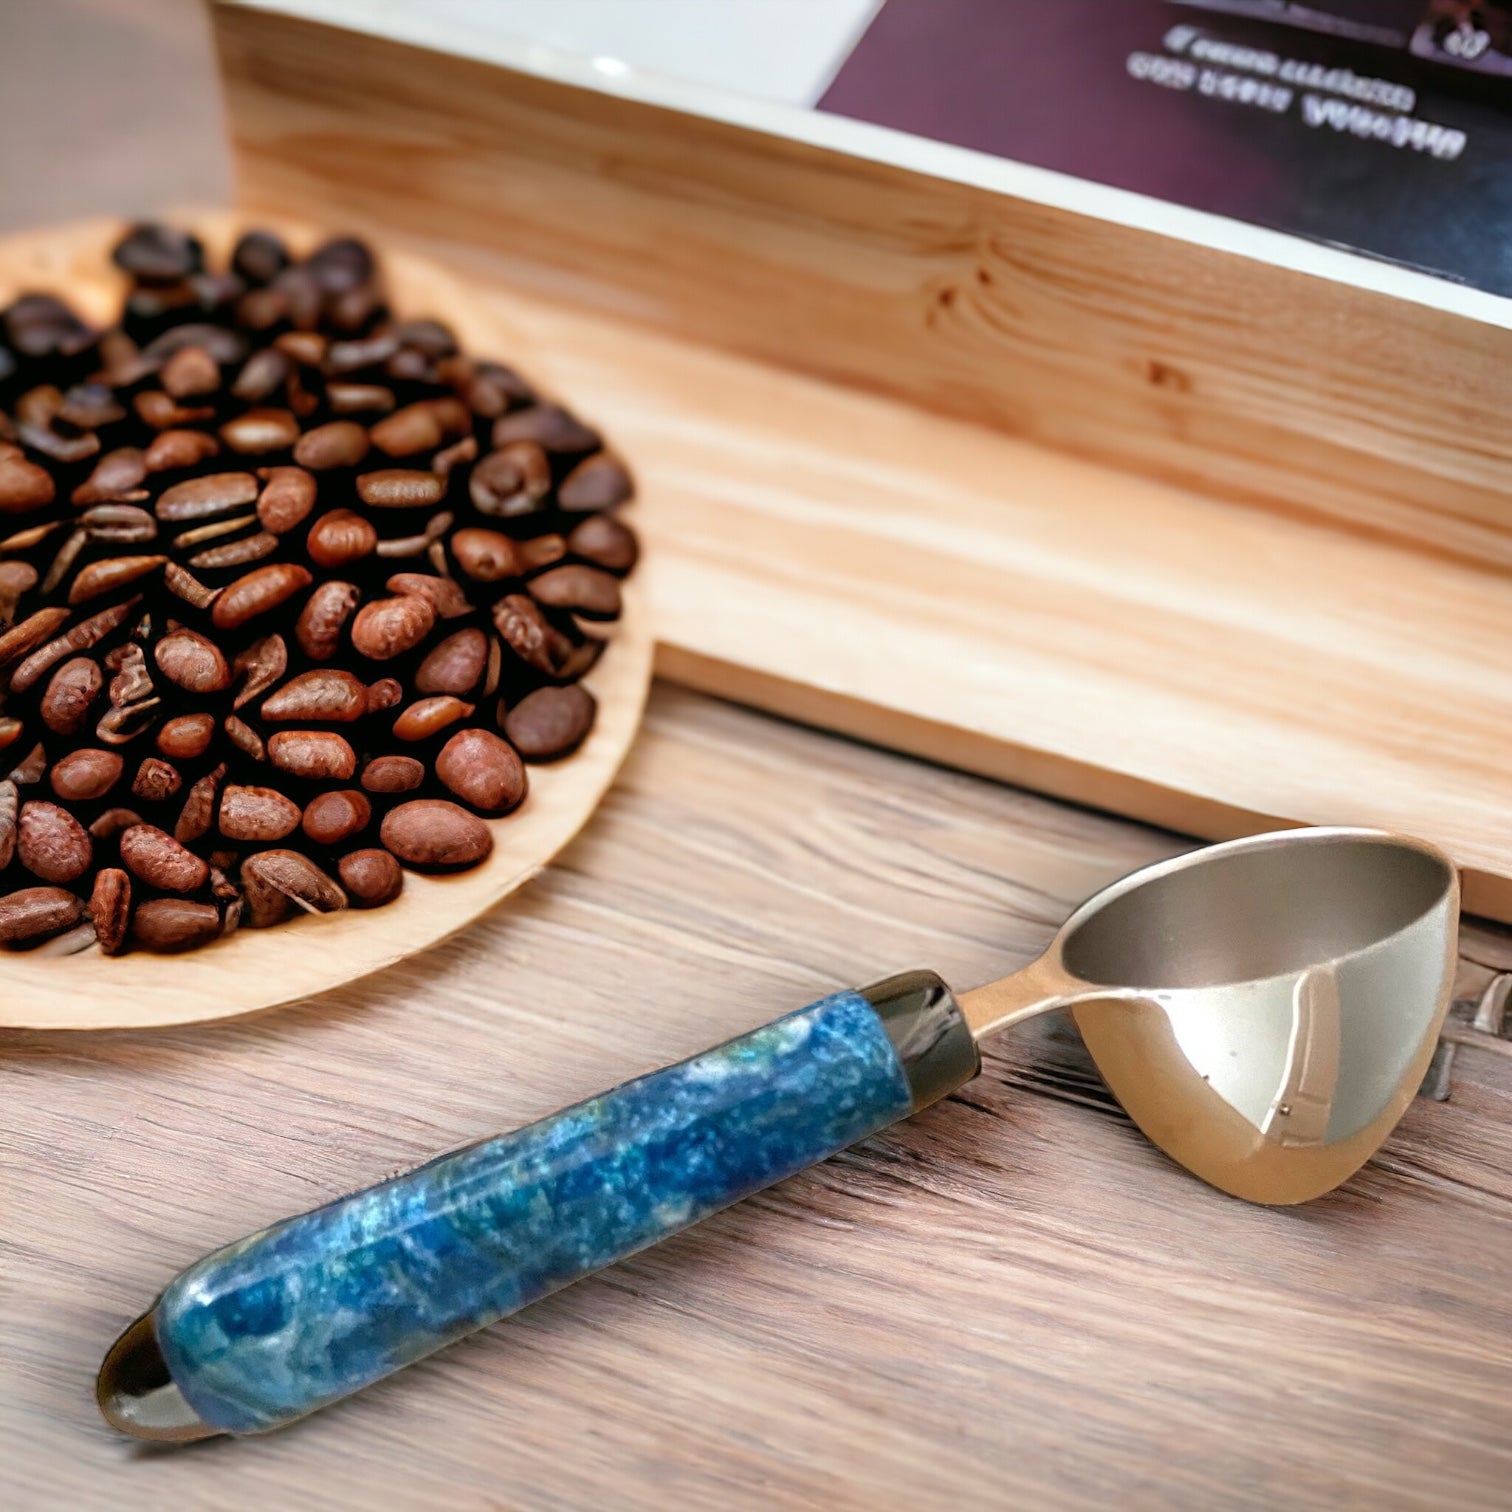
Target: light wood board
{"type": "Point", "coordinates": [254, 969]}
{"type": "Point", "coordinates": [1009, 1302]}
{"type": "Point", "coordinates": [1056, 310]}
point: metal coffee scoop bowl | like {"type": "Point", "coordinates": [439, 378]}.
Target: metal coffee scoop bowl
{"type": "Point", "coordinates": [1265, 1010]}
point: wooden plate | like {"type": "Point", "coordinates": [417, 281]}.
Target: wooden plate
{"type": "Point", "coordinates": [261, 968]}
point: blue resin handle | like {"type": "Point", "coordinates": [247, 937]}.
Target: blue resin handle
{"type": "Point", "coordinates": [314, 1308]}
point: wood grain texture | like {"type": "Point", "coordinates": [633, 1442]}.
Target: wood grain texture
{"type": "Point", "coordinates": [1010, 1301]}
{"type": "Point", "coordinates": [1192, 365]}
{"type": "Point", "coordinates": [254, 969]}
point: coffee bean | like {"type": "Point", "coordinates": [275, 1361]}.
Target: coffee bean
{"type": "Point", "coordinates": [548, 426]}
{"type": "Point", "coordinates": [359, 398]}
{"type": "Point", "coordinates": [259, 257]}
{"type": "Point", "coordinates": [344, 357]}
{"type": "Point", "coordinates": [24, 486]}
{"type": "Point", "coordinates": [10, 807]}
{"type": "Point", "coordinates": [429, 540]}
{"type": "Point", "coordinates": [221, 342]}
{"type": "Point", "coordinates": [294, 876]}
{"type": "Point", "coordinates": [257, 813]}
{"type": "Point", "coordinates": [190, 373]}
{"type": "Point", "coordinates": [400, 488]}
{"type": "Point", "coordinates": [172, 450]}
{"type": "Point", "coordinates": [586, 591]}
{"type": "Point", "coordinates": [51, 843]}
{"type": "Point", "coordinates": [259, 667]}
{"type": "Point", "coordinates": [244, 738]}
{"type": "Point", "coordinates": [35, 913]}
{"type": "Point", "coordinates": [188, 659]}
{"type": "Point", "coordinates": [111, 573]}
{"type": "Point", "coordinates": [156, 253]}
{"type": "Point", "coordinates": [250, 548]}
{"type": "Point", "coordinates": [207, 497]}
{"type": "Point", "coordinates": [266, 905]}
{"type": "Point", "coordinates": [84, 775]}
{"type": "Point", "coordinates": [550, 722]}
{"type": "Point", "coordinates": [261, 431]}
{"type": "Point", "coordinates": [306, 348]}
{"type": "Point", "coordinates": [600, 482]}
{"type": "Point", "coordinates": [322, 696]}
{"type": "Point", "coordinates": [118, 474]}
{"type": "Point", "coordinates": [428, 715]}
{"type": "Point", "coordinates": [110, 908]}
{"type": "Point", "coordinates": [511, 481]}
{"type": "Point", "coordinates": [340, 537]}
{"type": "Point", "coordinates": [113, 823]}
{"type": "Point", "coordinates": [160, 861]}
{"type": "Point", "coordinates": [30, 768]}
{"type": "Point", "coordinates": [264, 372]}
{"type": "Point", "coordinates": [183, 584]}
{"type": "Point", "coordinates": [162, 411]}
{"type": "Point", "coordinates": [457, 455]}
{"type": "Point", "coordinates": [486, 556]}
{"type": "Point", "coordinates": [341, 264]}
{"type": "Point", "coordinates": [434, 833]}
{"type": "Point", "coordinates": [342, 443]}
{"type": "Point", "coordinates": [526, 632]}
{"type": "Point", "coordinates": [442, 593]}
{"type": "Point", "coordinates": [71, 690]}
{"type": "Point", "coordinates": [156, 780]}
{"type": "Point", "coordinates": [392, 774]}
{"type": "Point", "coordinates": [287, 498]}
{"type": "Point", "coordinates": [169, 925]}
{"type": "Point", "coordinates": [198, 812]}
{"type": "Point", "coordinates": [491, 388]}
{"type": "Point", "coordinates": [371, 877]}
{"type": "Point", "coordinates": [316, 754]}
{"type": "Point", "coordinates": [483, 770]}
{"type": "Point", "coordinates": [81, 637]}
{"type": "Point", "coordinates": [421, 427]}
{"type": "Point", "coordinates": [605, 542]}
{"type": "Point", "coordinates": [455, 666]}
{"type": "Point", "coordinates": [385, 693]}
{"type": "Point", "coordinates": [187, 736]}
{"type": "Point", "coordinates": [389, 627]}
{"type": "Point", "coordinates": [258, 592]}
{"type": "Point", "coordinates": [11, 730]}
{"type": "Point", "coordinates": [20, 641]}
{"type": "Point", "coordinates": [335, 817]}
{"type": "Point", "coordinates": [119, 523]}
{"type": "Point", "coordinates": [324, 616]}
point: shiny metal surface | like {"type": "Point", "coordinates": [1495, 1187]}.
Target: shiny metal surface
{"type": "Point", "coordinates": [934, 1043]}
{"type": "Point", "coordinates": [1264, 1009]}
{"type": "Point", "coordinates": [136, 1393]}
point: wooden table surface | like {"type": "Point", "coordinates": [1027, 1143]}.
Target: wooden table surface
{"type": "Point", "coordinates": [1011, 1301]}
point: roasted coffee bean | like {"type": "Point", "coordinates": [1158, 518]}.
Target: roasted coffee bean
{"type": "Point", "coordinates": [62, 563]}
{"type": "Point", "coordinates": [264, 372]}
{"type": "Point", "coordinates": [389, 627]}
{"type": "Point", "coordinates": [601, 482]}
{"type": "Point", "coordinates": [259, 667]}
{"type": "Point", "coordinates": [550, 722]}
{"type": "Point", "coordinates": [221, 342]}
{"type": "Point", "coordinates": [400, 488]}
{"type": "Point", "coordinates": [160, 861]}
{"type": "Point", "coordinates": [511, 481]}
{"type": "Point", "coordinates": [24, 486]}
{"type": "Point", "coordinates": [427, 716]}
{"type": "Point", "coordinates": [605, 542]}
{"type": "Point", "coordinates": [483, 770]}
{"type": "Point", "coordinates": [187, 659]}
{"type": "Point", "coordinates": [306, 348]}
{"type": "Point", "coordinates": [586, 591]}
{"type": "Point", "coordinates": [432, 833]}
{"type": "Point", "coordinates": [324, 616]}
{"type": "Point", "coordinates": [316, 754]}
{"type": "Point", "coordinates": [257, 592]}
{"type": "Point", "coordinates": [459, 454]}
{"type": "Point", "coordinates": [70, 691]}
{"type": "Point", "coordinates": [443, 593]}
{"type": "Point", "coordinates": [187, 736]}
{"type": "Point", "coordinates": [84, 775]}
{"type": "Point", "coordinates": [326, 695]}
{"type": "Point", "coordinates": [190, 373]}
{"type": "Point", "coordinates": [344, 357]}
{"type": "Point", "coordinates": [183, 584]}
{"type": "Point", "coordinates": [198, 812]}
{"type": "Point", "coordinates": [259, 257]}
{"type": "Point", "coordinates": [51, 843]}
{"type": "Point", "coordinates": [90, 406]}
{"type": "Point", "coordinates": [528, 634]}
{"type": "Point", "coordinates": [169, 925]}
{"type": "Point", "coordinates": [154, 253]}
{"type": "Point", "coordinates": [173, 450]}
{"type": "Point", "coordinates": [287, 498]}
{"type": "Point", "coordinates": [486, 556]}
{"type": "Point", "coordinates": [31, 767]}
{"type": "Point", "coordinates": [429, 540]}
{"type": "Point", "coordinates": [244, 738]}
{"type": "Point", "coordinates": [10, 810]}
{"type": "Point", "coordinates": [213, 531]}
{"type": "Point", "coordinates": [21, 640]}
{"type": "Point", "coordinates": [156, 781]}
{"type": "Point", "coordinates": [294, 876]}
{"type": "Point", "coordinates": [260, 432]}
{"type": "Point", "coordinates": [81, 637]}
{"type": "Point", "coordinates": [371, 877]}
{"type": "Point", "coordinates": [340, 537]}
{"type": "Point", "coordinates": [24, 540]}
{"type": "Point", "coordinates": [236, 553]}
{"type": "Point", "coordinates": [112, 823]}
{"type": "Point", "coordinates": [163, 412]}
{"type": "Point", "coordinates": [119, 523]}
{"type": "Point", "coordinates": [10, 731]}
{"type": "Point", "coordinates": [117, 475]}
{"type": "Point", "coordinates": [455, 666]}
{"type": "Point", "coordinates": [359, 398]}
{"type": "Point", "coordinates": [385, 693]}
{"type": "Point", "coordinates": [110, 574]}
{"type": "Point", "coordinates": [342, 443]}
{"type": "Point", "coordinates": [207, 497]}
{"type": "Point", "coordinates": [421, 427]}
{"type": "Point", "coordinates": [549, 426]}
{"type": "Point", "coordinates": [393, 774]}
{"type": "Point", "coordinates": [265, 905]}
{"type": "Point", "coordinates": [110, 908]}
{"type": "Point", "coordinates": [36, 913]}
{"type": "Point", "coordinates": [341, 264]}
{"type": "Point", "coordinates": [491, 388]}
{"type": "Point", "coordinates": [333, 818]}
{"type": "Point", "coordinates": [257, 813]}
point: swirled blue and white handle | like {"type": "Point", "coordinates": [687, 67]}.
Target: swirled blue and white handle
{"type": "Point", "coordinates": [316, 1307]}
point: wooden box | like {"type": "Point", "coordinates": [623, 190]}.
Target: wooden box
{"type": "Point", "coordinates": [1138, 506]}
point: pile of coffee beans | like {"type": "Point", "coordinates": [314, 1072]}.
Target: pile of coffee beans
{"type": "Point", "coordinates": [291, 590]}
